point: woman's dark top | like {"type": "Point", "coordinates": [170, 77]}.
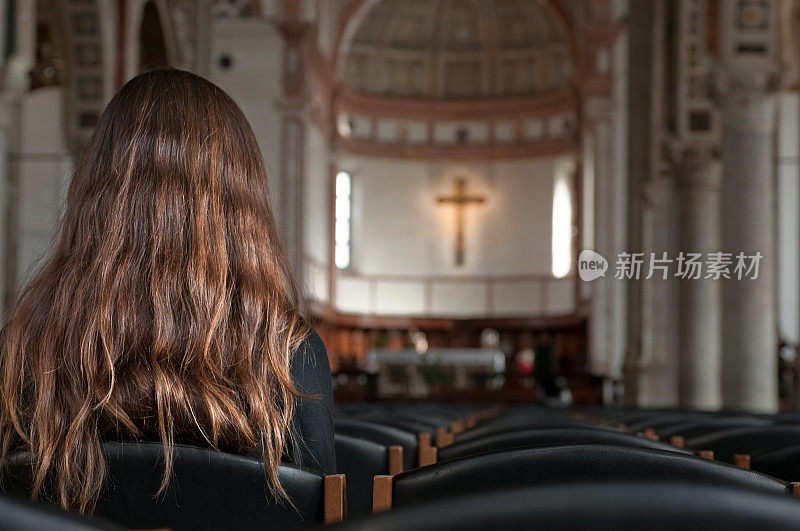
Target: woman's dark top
{"type": "Point", "coordinates": [312, 425]}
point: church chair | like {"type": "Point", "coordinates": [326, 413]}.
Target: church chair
{"type": "Point", "coordinates": [451, 419]}
{"type": "Point", "coordinates": [530, 438]}
{"type": "Point", "coordinates": [493, 429]}
{"type": "Point", "coordinates": [381, 434]}
{"type": "Point", "coordinates": [537, 417]}
{"type": "Point", "coordinates": [594, 506]}
{"type": "Point", "coordinates": [208, 490]}
{"type": "Point", "coordinates": [427, 434]}
{"type": "Point", "coordinates": [785, 417]}
{"type": "Point", "coordinates": [23, 515]}
{"type": "Point", "coordinates": [427, 454]}
{"type": "Point", "coordinates": [458, 411]}
{"type": "Point", "coordinates": [783, 463]}
{"type": "Point", "coordinates": [440, 425]}
{"type": "Point", "coordinates": [360, 460]}
{"type": "Point", "coordinates": [360, 408]}
{"type": "Point", "coordinates": [637, 420]}
{"type": "Point", "coordinates": [664, 421]}
{"type": "Point", "coordinates": [437, 417]}
{"type": "Point", "coordinates": [413, 426]}
{"type": "Point", "coordinates": [697, 428]}
{"type": "Point", "coordinates": [563, 463]}
{"type": "Point", "coordinates": [789, 420]}
{"type": "Point", "coordinates": [631, 416]}
{"type": "Point", "coordinates": [747, 440]}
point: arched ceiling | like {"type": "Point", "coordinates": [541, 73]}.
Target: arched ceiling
{"type": "Point", "coordinates": [457, 49]}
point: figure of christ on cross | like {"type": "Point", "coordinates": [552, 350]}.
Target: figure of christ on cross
{"type": "Point", "coordinates": [460, 199]}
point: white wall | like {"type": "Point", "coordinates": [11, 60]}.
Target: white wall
{"type": "Point", "coordinates": [399, 229]}
{"type": "Point", "coordinates": [254, 80]}
{"type": "Point", "coordinates": [402, 256]}
{"type": "Point", "coordinates": [43, 169]}
{"type": "Point", "coordinates": [316, 214]}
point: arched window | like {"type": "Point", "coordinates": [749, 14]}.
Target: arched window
{"type": "Point", "coordinates": [342, 221]}
{"type": "Point", "coordinates": [562, 227]}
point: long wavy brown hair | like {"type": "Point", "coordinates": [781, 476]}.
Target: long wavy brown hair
{"type": "Point", "coordinates": [167, 310]}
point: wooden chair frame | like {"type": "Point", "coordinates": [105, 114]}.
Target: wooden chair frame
{"type": "Point", "coordinates": [426, 453]}
{"type": "Point", "coordinates": [382, 493]}
{"type": "Point", "coordinates": [335, 501]}
{"type": "Point", "coordinates": [395, 454]}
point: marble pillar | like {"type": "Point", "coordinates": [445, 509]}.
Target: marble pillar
{"type": "Point", "coordinates": [598, 113]}
{"type": "Point", "coordinates": [14, 82]}
{"type": "Point", "coordinates": [699, 315]}
{"type": "Point", "coordinates": [749, 342]}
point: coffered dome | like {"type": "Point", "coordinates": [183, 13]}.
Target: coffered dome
{"type": "Point", "coordinates": [457, 49]}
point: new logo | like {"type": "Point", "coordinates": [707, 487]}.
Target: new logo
{"type": "Point", "coordinates": [591, 265]}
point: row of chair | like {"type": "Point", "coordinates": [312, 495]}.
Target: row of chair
{"type": "Point", "coordinates": [385, 440]}
{"type": "Point", "coordinates": [765, 443]}
{"type": "Point", "coordinates": [220, 491]}
{"type": "Point", "coordinates": [529, 451]}
{"type": "Point", "coordinates": [434, 466]}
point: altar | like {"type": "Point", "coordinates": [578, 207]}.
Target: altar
{"type": "Point", "coordinates": [409, 374]}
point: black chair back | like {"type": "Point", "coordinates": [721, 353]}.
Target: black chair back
{"type": "Point", "coordinates": [698, 427]}
{"type": "Point", "coordinates": [381, 434]}
{"type": "Point", "coordinates": [529, 438]}
{"type": "Point", "coordinates": [360, 460]}
{"type": "Point", "coordinates": [783, 464]}
{"type": "Point", "coordinates": [726, 444]}
{"type": "Point", "coordinates": [413, 426]}
{"type": "Point", "coordinates": [630, 416]}
{"type": "Point", "coordinates": [23, 515]}
{"type": "Point", "coordinates": [666, 420]}
{"type": "Point", "coordinates": [595, 506]}
{"type": "Point", "coordinates": [485, 430]}
{"type": "Point", "coordinates": [208, 490]}
{"type": "Point", "coordinates": [575, 462]}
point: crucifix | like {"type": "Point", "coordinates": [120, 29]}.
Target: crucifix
{"type": "Point", "coordinates": [460, 199]}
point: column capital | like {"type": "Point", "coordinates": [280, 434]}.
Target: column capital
{"type": "Point", "coordinates": [695, 164]}
{"type": "Point", "coordinates": [746, 95]}
{"type": "Point", "coordinates": [730, 79]}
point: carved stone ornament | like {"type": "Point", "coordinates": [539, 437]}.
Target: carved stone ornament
{"type": "Point", "coordinates": [694, 164]}
{"type": "Point", "coordinates": [747, 96]}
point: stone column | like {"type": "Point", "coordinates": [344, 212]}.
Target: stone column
{"type": "Point", "coordinates": [749, 342]}
{"type": "Point", "coordinates": [293, 104]}
{"type": "Point", "coordinates": [699, 311]}
{"type": "Point", "coordinates": [598, 113]}
{"type": "Point", "coordinates": [645, 24]}
{"type": "Point", "coordinates": [14, 82]}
